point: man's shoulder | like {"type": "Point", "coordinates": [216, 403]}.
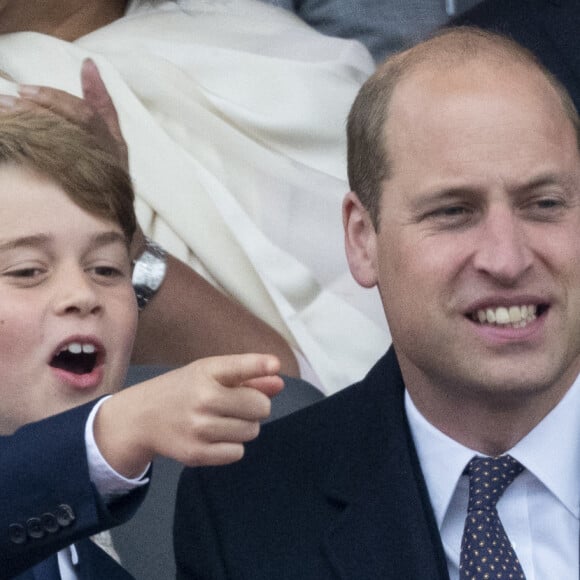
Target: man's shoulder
{"type": "Point", "coordinates": [310, 439]}
{"type": "Point", "coordinates": [282, 498]}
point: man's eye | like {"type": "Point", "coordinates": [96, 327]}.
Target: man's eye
{"type": "Point", "coordinates": [450, 215]}
{"type": "Point", "coordinates": [452, 211]}
{"type": "Point", "coordinates": [547, 208]}
{"type": "Point", "coordinates": [549, 203]}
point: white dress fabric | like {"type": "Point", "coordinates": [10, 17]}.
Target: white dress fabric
{"type": "Point", "coordinates": [234, 113]}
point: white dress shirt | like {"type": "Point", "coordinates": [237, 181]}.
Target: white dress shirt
{"type": "Point", "coordinates": [539, 510]}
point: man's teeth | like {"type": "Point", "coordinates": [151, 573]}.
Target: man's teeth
{"type": "Point", "coordinates": [77, 348]}
{"type": "Point", "coordinates": [516, 316]}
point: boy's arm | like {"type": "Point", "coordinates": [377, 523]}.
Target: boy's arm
{"type": "Point", "coordinates": [47, 500]}
{"type": "Point", "coordinates": [200, 414]}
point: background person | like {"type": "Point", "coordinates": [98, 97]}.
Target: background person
{"type": "Point", "coordinates": [383, 26]}
{"type": "Point", "coordinates": [233, 113]}
{"type": "Point", "coordinates": [548, 29]}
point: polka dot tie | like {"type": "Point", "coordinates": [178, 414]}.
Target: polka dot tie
{"type": "Point", "coordinates": [486, 552]}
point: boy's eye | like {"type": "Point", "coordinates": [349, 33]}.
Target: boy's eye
{"type": "Point", "coordinates": [107, 271]}
{"type": "Point", "coordinates": [26, 277]}
{"type": "Point", "coordinates": [25, 273]}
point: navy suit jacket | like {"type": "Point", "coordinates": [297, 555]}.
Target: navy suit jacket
{"type": "Point", "coordinates": [94, 564]}
{"type": "Point", "coordinates": [549, 28]}
{"type": "Point", "coordinates": [332, 491]}
{"type": "Point", "coordinates": [47, 500]}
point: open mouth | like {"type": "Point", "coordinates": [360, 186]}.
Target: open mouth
{"type": "Point", "coordinates": [516, 316]}
{"type": "Point", "coordinates": [77, 358]}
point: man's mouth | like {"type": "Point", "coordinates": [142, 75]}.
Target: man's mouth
{"type": "Point", "coordinates": [514, 316]}
{"type": "Point", "coordinates": [78, 358]}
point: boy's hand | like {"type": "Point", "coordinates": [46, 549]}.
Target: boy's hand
{"type": "Point", "coordinates": [200, 414]}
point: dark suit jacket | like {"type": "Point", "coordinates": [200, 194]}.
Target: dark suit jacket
{"type": "Point", "coordinates": [94, 564]}
{"type": "Point", "coordinates": [549, 28]}
{"type": "Point", "coordinates": [46, 498]}
{"type": "Point", "coordinates": [333, 491]}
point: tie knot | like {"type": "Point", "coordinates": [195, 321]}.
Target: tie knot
{"type": "Point", "coordinates": [488, 479]}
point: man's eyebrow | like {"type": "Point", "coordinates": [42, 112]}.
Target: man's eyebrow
{"type": "Point", "coordinates": [543, 180]}
{"type": "Point", "coordinates": [454, 192]}
{"type": "Point", "coordinates": [436, 195]}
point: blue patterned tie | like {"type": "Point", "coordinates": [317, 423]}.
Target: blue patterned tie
{"type": "Point", "coordinates": [486, 552]}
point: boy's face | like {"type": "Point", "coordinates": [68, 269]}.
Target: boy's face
{"type": "Point", "coordinates": [68, 313]}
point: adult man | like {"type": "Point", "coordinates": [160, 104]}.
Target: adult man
{"type": "Point", "coordinates": [465, 161]}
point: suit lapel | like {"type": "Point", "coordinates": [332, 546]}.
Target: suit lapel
{"type": "Point", "coordinates": [386, 511]}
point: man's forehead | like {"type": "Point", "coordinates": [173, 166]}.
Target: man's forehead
{"type": "Point", "coordinates": [429, 95]}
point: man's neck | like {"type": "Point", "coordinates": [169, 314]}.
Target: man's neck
{"type": "Point", "coordinates": [490, 426]}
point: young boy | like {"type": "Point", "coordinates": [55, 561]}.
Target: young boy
{"type": "Point", "coordinates": [68, 316]}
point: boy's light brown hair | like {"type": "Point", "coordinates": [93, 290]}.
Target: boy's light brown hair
{"type": "Point", "coordinates": [73, 159]}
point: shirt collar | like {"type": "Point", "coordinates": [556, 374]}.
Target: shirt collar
{"type": "Point", "coordinates": [551, 451]}
{"type": "Point", "coordinates": [555, 461]}
{"type": "Point", "coordinates": [442, 459]}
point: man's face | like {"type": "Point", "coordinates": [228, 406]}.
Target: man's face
{"type": "Point", "coordinates": [68, 313]}
{"type": "Point", "coordinates": [477, 254]}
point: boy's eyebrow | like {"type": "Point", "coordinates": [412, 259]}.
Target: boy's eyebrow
{"type": "Point", "coordinates": [106, 238]}
{"type": "Point", "coordinates": [39, 240]}
{"type": "Point", "coordinates": [25, 241]}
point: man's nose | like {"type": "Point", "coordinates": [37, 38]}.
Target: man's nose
{"type": "Point", "coordinates": [503, 250]}
{"type": "Point", "coordinates": [76, 293]}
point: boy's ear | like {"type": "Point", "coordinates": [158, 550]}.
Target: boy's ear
{"type": "Point", "coordinates": [360, 240]}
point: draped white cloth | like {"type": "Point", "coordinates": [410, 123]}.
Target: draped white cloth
{"type": "Point", "coordinates": [234, 113]}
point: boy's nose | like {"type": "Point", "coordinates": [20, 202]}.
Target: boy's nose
{"type": "Point", "coordinates": [77, 295]}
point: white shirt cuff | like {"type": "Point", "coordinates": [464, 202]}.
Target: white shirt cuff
{"type": "Point", "coordinates": [108, 482]}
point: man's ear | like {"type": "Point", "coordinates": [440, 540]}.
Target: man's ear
{"type": "Point", "coordinates": [360, 239]}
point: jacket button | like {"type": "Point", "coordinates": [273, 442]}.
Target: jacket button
{"type": "Point", "coordinates": [49, 523]}
{"type": "Point", "coordinates": [65, 515]}
{"type": "Point", "coordinates": [34, 528]}
{"type": "Point", "coordinates": [17, 533]}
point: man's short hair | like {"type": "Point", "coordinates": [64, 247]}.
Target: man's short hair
{"type": "Point", "coordinates": [73, 159]}
{"type": "Point", "coordinates": [369, 164]}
